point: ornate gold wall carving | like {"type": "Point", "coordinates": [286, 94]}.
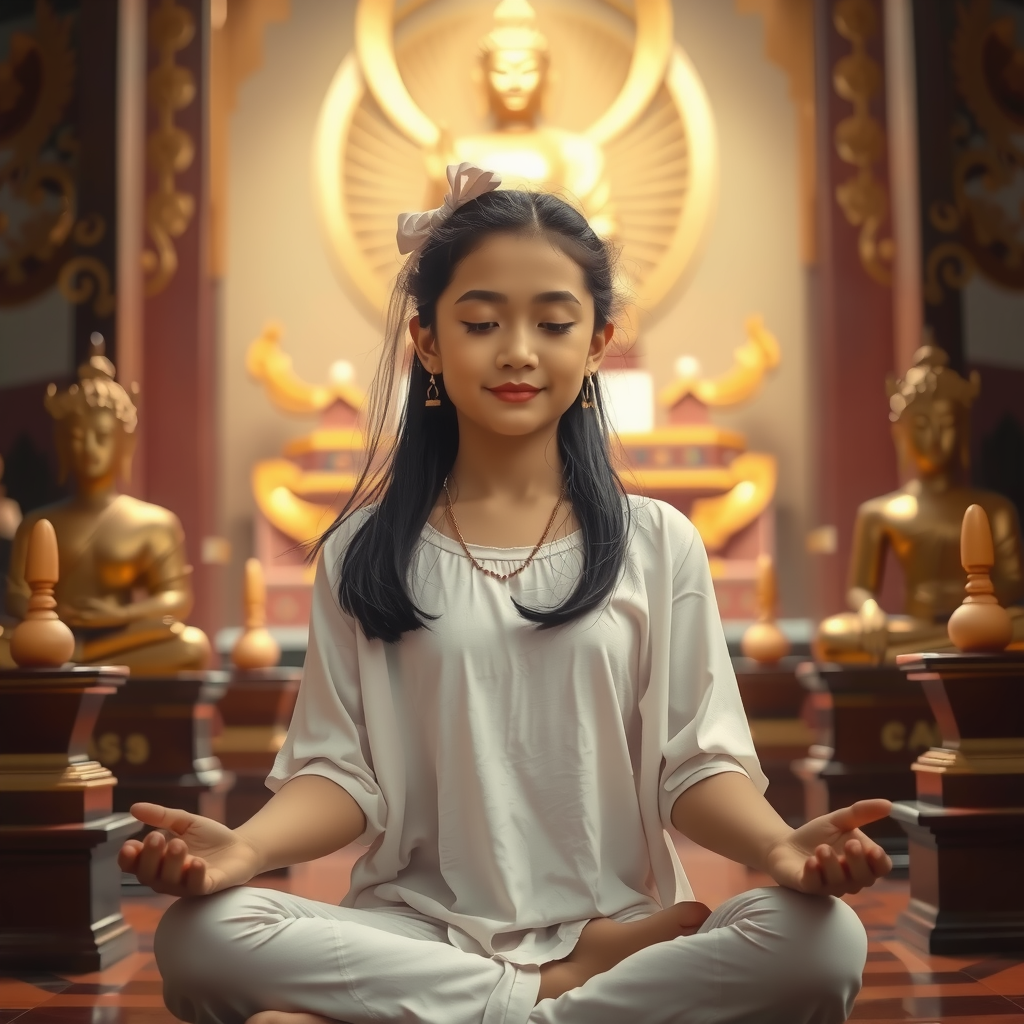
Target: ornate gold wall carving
{"type": "Point", "coordinates": [169, 149]}
{"type": "Point", "coordinates": [860, 138]}
{"type": "Point", "coordinates": [40, 227]}
{"type": "Point", "coordinates": [984, 220]}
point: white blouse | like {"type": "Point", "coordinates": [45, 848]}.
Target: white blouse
{"type": "Point", "coordinates": [517, 782]}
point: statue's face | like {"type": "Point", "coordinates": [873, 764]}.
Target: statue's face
{"type": "Point", "coordinates": [514, 78]}
{"type": "Point", "coordinates": [94, 444]}
{"type": "Point", "coordinates": [932, 430]}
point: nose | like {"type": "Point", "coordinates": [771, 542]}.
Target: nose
{"type": "Point", "coordinates": [518, 350]}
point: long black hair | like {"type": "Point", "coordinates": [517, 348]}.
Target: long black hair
{"type": "Point", "coordinates": [404, 481]}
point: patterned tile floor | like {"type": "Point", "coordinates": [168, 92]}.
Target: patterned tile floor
{"type": "Point", "coordinates": [900, 984]}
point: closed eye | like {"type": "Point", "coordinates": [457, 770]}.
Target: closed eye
{"type": "Point", "coordinates": [559, 328]}
{"type": "Point", "coordinates": [478, 328]}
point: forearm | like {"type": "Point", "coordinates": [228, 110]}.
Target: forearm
{"type": "Point", "coordinates": [726, 814]}
{"type": "Point", "coordinates": [309, 817]}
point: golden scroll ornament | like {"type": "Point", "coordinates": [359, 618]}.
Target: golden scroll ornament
{"type": "Point", "coordinates": [984, 219]}
{"type": "Point", "coordinates": [860, 138]}
{"type": "Point", "coordinates": [39, 225]}
{"type": "Point", "coordinates": [587, 98]}
{"type": "Point", "coordinates": [169, 148]}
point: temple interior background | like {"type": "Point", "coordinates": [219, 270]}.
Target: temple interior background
{"type": "Point", "coordinates": [818, 209]}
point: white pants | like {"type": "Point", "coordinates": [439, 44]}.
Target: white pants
{"type": "Point", "coordinates": [768, 956]}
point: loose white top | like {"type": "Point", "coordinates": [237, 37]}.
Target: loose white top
{"type": "Point", "coordinates": [517, 782]}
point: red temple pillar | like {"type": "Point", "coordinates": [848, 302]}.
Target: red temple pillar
{"type": "Point", "coordinates": [853, 350]}
{"type": "Point", "coordinates": [178, 405]}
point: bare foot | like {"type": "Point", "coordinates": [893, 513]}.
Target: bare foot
{"type": "Point", "coordinates": [604, 943]}
{"type": "Point", "coordinates": [280, 1017]}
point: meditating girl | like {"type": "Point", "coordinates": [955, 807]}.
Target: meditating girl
{"type": "Point", "coordinates": [516, 681]}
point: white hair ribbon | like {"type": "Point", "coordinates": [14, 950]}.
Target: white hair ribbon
{"type": "Point", "coordinates": [465, 182]}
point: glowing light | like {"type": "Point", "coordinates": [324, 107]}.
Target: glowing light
{"type": "Point", "coordinates": [688, 367]}
{"type": "Point", "coordinates": [341, 372]}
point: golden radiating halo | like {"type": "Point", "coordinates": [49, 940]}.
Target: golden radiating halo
{"type": "Point", "coordinates": [662, 168]}
{"type": "Point", "coordinates": [375, 34]}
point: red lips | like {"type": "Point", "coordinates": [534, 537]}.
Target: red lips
{"type": "Point", "coordinates": [514, 387]}
{"type": "Point", "coordinates": [510, 392]}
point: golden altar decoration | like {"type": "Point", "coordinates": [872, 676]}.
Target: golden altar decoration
{"type": "Point", "coordinates": [517, 89]}
{"type": "Point", "coordinates": [707, 472]}
{"type": "Point", "coordinates": [704, 470]}
{"type": "Point", "coordinates": [298, 494]}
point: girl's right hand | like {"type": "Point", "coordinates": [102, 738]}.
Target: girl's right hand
{"type": "Point", "coordinates": [203, 857]}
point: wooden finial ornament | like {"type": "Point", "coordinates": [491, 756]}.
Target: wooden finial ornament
{"type": "Point", "coordinates": [255, 648]}
{"type": "Point", "coordinates": [41, 640]}
{"type": "Point", "coordinates": [763, 641]}
{"type": "Point", "coordinates": [980, 624]}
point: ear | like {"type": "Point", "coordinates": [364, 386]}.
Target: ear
{"type": "Point", "coordinates": [425, 344]}
{"type": "Point", "coordinates": [127, 453]}
{"type": "Point", "coordinates": [599, 347]}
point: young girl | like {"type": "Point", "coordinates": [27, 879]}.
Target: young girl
{"type": "Point", "coordinates": [516, 681]}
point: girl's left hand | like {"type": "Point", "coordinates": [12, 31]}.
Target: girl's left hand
{"type": "Point", "coordinates": [830, 856]}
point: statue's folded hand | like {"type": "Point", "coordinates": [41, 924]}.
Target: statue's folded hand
{"type": "Point", "coordinates": [874, 629]}
{"type": "Point", "coordinates": [95, 612]}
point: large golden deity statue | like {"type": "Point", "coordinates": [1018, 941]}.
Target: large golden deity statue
{"type": "Point", "coordinates": [124, 585]}
{"type": "Point", "coordinates": [920, 523]}
{"type": "Point", "coordinates": [592, 99]}
{"type": "Point", "coordinates": [515, 64]}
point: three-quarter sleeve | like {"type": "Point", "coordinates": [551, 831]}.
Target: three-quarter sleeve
{"type": "Point", "coordinates": [327, 735]}
{"type": "Point", "coordinates": [707, 730]}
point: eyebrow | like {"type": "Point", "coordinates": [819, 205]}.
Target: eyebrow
{"type": "Point", "coordinates": [485, 296]}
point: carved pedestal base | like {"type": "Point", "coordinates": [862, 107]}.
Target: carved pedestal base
{"type": "Point", "coordinates": [870, 723]}
{"type": "Point", "coordinates": [773, 700]}
{"type": "Point", "coordinates": [966, 879]}
{"type": "Point", "coordinates": [255, 713]}
{"type": "Point", "coordinates": [966, 827]}
{"type": "Point", "coordinates": [156, 732]}
{"type": "Point", "coordinates": [59, 879]}
{"type": "Point", "coordinates": [60, 892]}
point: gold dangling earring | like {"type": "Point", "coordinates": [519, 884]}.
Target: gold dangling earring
{"type": "Point", "coordinates": [588, 392]}
{"type": "Point", "coordinates": [435, 398]}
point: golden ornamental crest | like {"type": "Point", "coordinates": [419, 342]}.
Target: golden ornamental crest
{"type": "Point", "coordinates": [588, 98]}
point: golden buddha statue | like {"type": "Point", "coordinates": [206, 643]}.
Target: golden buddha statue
{"type": "Point", "coordinates": [124, 585]}
{"type": "Point", "coordinates": [921, 522]}
{"type": "Point", "coordinates": [514, 60]}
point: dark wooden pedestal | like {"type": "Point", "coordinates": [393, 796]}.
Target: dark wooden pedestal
{"type": "Point", "coordinates": [966, 827]}
{"type": "Point", "coordinates": [255, 714]}
{"type": "Point", "coordinates": [773, 700]}
{"type": "Point", "coordinates": [156, 732]}
{"type": "Point", "coordinates": [870, 724]}
{"type": "Point", "coordinates": [59, 836]}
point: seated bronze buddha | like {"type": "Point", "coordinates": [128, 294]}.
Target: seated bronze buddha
{"type": "Point", "coordinates": [124, 585]}
{"type": "Point", "coordinates": [920, 522]}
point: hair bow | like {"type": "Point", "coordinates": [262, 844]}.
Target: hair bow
{"type": "Point", "coordinates": [466, 181]}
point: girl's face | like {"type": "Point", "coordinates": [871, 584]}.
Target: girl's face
{"type": "Point", "coordinates": [513, 335]}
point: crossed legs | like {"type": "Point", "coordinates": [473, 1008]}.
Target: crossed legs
{"type": "Point", "coordinates": [768, 956]}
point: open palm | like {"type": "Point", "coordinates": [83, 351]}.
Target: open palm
{"type": "Point", "coordinates": [830, 855]}
{"type": "Point", "coordinates": [203, 856]}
